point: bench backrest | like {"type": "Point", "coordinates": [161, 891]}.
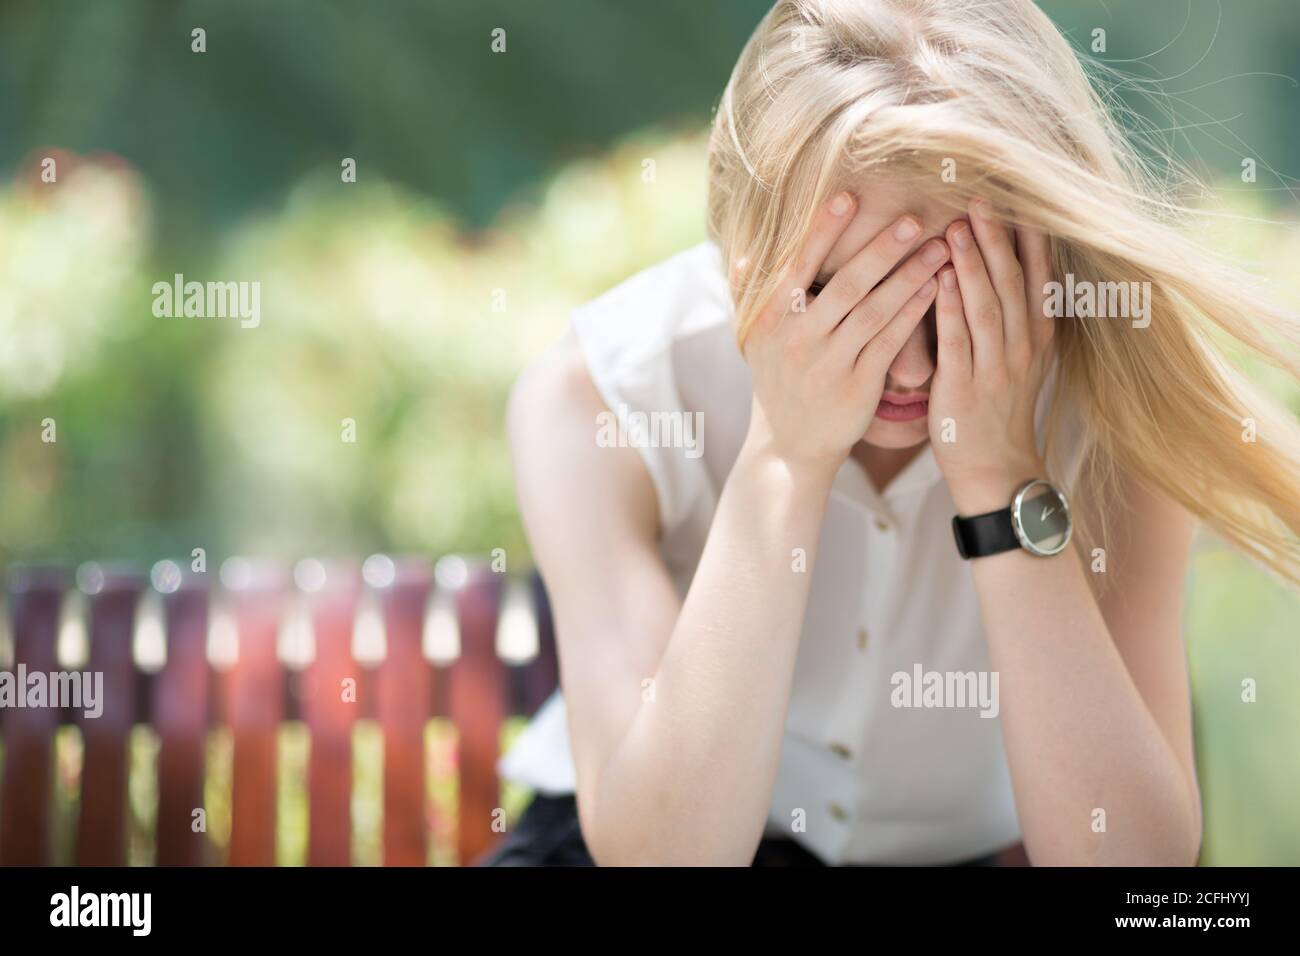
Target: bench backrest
{"type": "Point", "coordinates": [255, 694]}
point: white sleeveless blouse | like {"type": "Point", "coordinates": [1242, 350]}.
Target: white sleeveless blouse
{"type": "Point", "coordinates": [860, 779]}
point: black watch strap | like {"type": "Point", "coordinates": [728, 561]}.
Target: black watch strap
{"type": "Point", "coordinates": [985, 534]}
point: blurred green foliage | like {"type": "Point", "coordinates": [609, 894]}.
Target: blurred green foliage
{"type": "Point", "coordinates": [495, 191]}
{"type": "Point", "coordinates": [411, 88]}
{"type": "Point", "coordinates": [176, 433]}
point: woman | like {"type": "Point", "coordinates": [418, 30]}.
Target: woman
{"type": "Point", "coordinates": [938, 286]}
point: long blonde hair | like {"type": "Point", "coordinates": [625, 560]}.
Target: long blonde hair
{"type": "Point", "coordinates": [829, 93]}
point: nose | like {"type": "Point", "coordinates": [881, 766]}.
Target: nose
{"type": "Point", "coordinates": [914, 365]}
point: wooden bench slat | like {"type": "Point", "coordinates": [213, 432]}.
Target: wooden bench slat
{"type": "Point", "coordinates": [543, 672]}
{"type": "Point", "coordinates": [254, 691]}
{"type": "Point", "coordinates": [478, 703]}
{"type": "Point", "coordinates": [180, 718]}
{"type": "Point", "coordinates": [330, 718]}
{"type": "Point", "coordinates": [102, 816]}
{"type": "Point", "coordinates": [404, 689]}
{"type": "Point", "coordinates": [26, 802]}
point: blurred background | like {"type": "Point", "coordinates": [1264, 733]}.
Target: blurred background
{"type": "Point", "coordinates": [494, 191]}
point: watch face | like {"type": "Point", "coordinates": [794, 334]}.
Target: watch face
{"type": "Point", "coordinates": [1041, 518]}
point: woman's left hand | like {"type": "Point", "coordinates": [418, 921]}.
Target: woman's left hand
{"type": "Point", "coordinates": [994, 348]}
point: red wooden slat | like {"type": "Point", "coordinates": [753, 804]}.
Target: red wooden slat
{"type": "Point", "coordinates": [404, 689]}
{"type": "Point", "coordinates": [180, 718]}
{"type": "Point", "coordinates": [543, 672]}
{"type": "Point", "coordinates": [330, 718]}
{"type": "Point", "coordinates": [101, 823]}
{"type": "Point", "coordinates": [478, 705]}
{"type": "Point", "coordinates": [25, 804]}
{"type": "Point", "coordinates": [255, 707]}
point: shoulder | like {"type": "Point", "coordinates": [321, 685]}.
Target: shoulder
{"type": "Point", "coordinates": [613, 341]}
{"type": "Point", "coordinates": [657, 350]}
{"type": "Point", "coordinates": [643, 315]}
{"type": "Point", "coordinates": [683, 276]}
{"type": "Point", "coordinates": [557, 380]}
{"type": "Point", "coordinates": [552, 417]}
{"type": "Point", "coordinates": [660, 350]}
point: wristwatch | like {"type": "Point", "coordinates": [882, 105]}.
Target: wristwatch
{"type": "Point", "coordinates": [1038, 521]}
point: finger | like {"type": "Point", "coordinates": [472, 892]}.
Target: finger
{"type": "Point", "coordinates": [1005, 273]}
{"type": "Point", "coordinates": [829, 223]}
{"type": "Point", "coordinates": [864, 271]}
{"type": "Point", "coordinates": [950, 325]}
{"type": "Point", "coordinates": [879, 352]}
{"type": "Point", "coordinates": [979, 301]}
{"type": "Point", "coordinates": [1036, 256]}
{"type": "Point", "coordinates": [874, 312]}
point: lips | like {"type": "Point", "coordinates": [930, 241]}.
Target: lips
{"type": "Point", "coordinates": [902, 408]}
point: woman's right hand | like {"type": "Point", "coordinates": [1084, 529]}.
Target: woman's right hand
{"type": "Point", "coordinates": [819, 373]}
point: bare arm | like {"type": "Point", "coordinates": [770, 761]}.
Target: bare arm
{"type": "Point", "coordinates": [1095, 705]}
{"type": "Point", "coordinates": [684, 773]}
{"type": "Point", "coordinates": [679, 771]}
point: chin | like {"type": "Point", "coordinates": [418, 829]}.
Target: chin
{"type": "Point", "coordinates": [885, 434]}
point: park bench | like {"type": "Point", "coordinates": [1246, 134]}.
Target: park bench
{"type": "Point", "coordinates": [254, 695]}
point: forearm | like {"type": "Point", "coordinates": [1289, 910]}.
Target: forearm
{"type": "Point", "coordinates": [691, 780]}
{"type": "Point", "coordinates": [1079, 737]}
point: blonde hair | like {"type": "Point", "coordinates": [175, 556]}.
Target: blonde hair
{"type": "Point", "coordinates": [831, 93]}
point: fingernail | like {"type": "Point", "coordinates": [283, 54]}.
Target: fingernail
{"type": "Point", "coordinates": [840, 204]}
{"type": "Point", "coordinates": [984, 208]}
{"type": "Point", "coordinates": [934, 253]}
{"type": "Point", "coordinates": [926, 290]}
{"type": "Point", "coordinates": [907, 229]}
{"type": "Point", "coordinates": [961, 236]}
{"type": "Point", "coordinates": [949, 278]}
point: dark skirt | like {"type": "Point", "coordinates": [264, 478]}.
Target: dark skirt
{"type": "Point", "coordinates": [548, 834]}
